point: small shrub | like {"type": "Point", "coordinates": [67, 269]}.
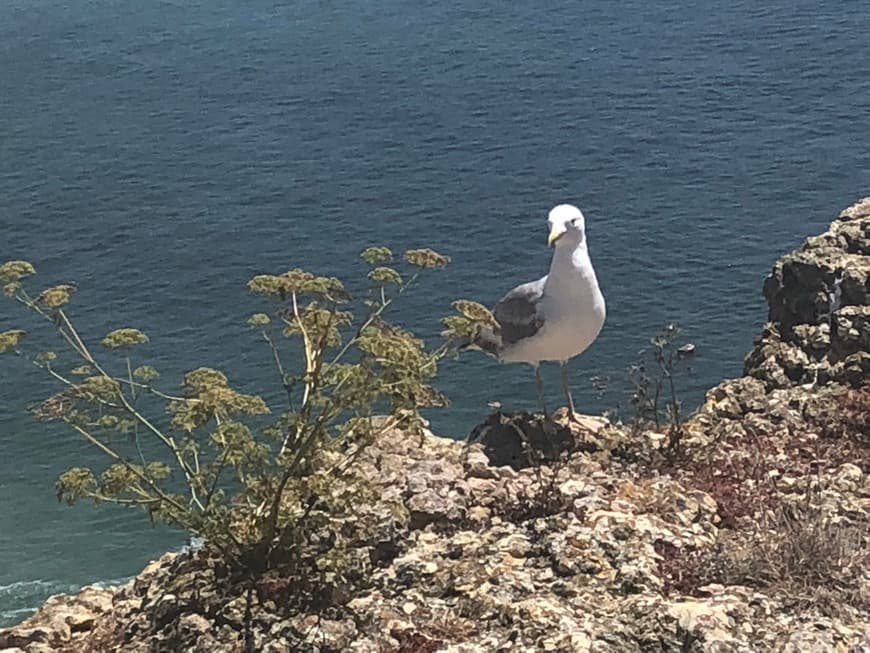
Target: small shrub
{"type": "Point", "coordinates": [843, 424]}
{"type": "Point", "coordinates": [541, 498]}
{"type": "Point", "coordinates": [270, 487]}
{"type": "Point", "coordinates": [654, 398]}
{"type": "Point", "coordinates": [794, 550]}
{"type": "Point", "coordinates": [800, 552]}
{"type": "Point", "coordinates": [681, 569]}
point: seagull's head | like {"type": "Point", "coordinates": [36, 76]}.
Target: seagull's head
{"type": "Point", "coordinates": [567, 226]}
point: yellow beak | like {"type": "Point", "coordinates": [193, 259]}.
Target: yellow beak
{"type": "Point", "coordinates": [555, 234]}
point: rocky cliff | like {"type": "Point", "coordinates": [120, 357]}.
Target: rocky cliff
{"type": "Point", "coordinates": [586, 536]}
{"type": "Point", "coordinates": [819, 298]}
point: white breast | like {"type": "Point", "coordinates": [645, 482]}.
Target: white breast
{"type": "Point", "coordinates": [565, 334]}
{"type": "Point", "coordinates": [573, 310]}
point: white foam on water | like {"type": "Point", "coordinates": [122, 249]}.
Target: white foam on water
{"type": "Point", "coordinates": [24, 587]}
{"type": "Point", "coordinates": [13, 616]}
{"type": "Point", "coordinates": [20, 599]}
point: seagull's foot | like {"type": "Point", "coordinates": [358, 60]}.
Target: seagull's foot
{"type": "Point", "coordinates": [568, 416]}
{"type": "Point", "coordinates": [581, 425]}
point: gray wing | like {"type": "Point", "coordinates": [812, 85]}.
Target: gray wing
{"type": "Point", "coordinates": [518, 313]}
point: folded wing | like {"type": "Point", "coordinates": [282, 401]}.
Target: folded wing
{"type": "Point", "coordinates": [518, 313]}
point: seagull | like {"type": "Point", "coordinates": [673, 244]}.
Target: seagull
{"type": "Point", "coordinates": [556, 317]}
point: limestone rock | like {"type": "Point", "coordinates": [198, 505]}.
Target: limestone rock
{"type": "Point", "coordinates": [819, 299]}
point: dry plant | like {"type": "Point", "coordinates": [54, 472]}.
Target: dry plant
{"type": "Point", "coordinates": [795, 550]}
{"type": "Point", "coordinates": [264, 485]}
{"type": "Point", "coordinates": [655, 399]}
{"type": "Point", "coordinates": [801, 553]}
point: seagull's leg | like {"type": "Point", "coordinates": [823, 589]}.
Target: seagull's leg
{"type": "Point", "coordinates": [567, 390]}
{"type": "Point", "coordinates": [539, 385]}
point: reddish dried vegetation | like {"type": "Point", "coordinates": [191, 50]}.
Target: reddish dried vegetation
{"type": "Point", "coordinates": [777, 535]}
{"type": "Point", "coordinates": [844, 428]}
{"type": "Point", "coordinates": [414, 642]}
{"type": "Point", "coordinates": [681, 569]}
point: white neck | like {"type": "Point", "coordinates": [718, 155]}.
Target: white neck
{"type": "Point", "coordinates": [575, 270]}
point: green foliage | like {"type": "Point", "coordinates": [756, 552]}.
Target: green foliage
{"type": "Point", "coordinates": [474, 311]}
{"type": "Point", "coordinates": [145, 373]}
{"type": "Point", "coordinates": [13, 271]}
{"type": "Point", "coordinates": [385, 276]}
{"type": "Point", "coordinates": [470, 319]}
{"type": "Point", "coordinates": [11, 274]}
{"type": "Point", "coordinates": [55, 297]}
{"type": "Point", "coordinates": [426, 258]}
{"type": "Point", "coordinates": [119, 480]}
{"type": "Point", "coordinates": [460, 328]}
{"type": "Point", "coordinates": [11, 289]}
{"type": "Point", "coordinates": [259, 483]}
{"type": "Point", "coordinates": [99, 388]}
{"type": "Point", "coordinates": [320, 324]}
{"type": "Point", "coordinates": [46, 357]}
{"type": "Point", "coordinates": [203, 378]}
{"type": "Point", "coordinates": [11, 339]}
{"type": "Point", "coordinates": [259, 320]}
{"type": "Point", "coordinates": [298, 282]}
{"type": "Point", "coordinates": [376, 255]}
{"type": "Point", "coordinates": [126, 337]}
{"type": "Point", "coordinates": [75, 484]}
{"type": "Point", "coordinates": [208, 396]}
{"type": "Point", "coordinates": [239, 447]}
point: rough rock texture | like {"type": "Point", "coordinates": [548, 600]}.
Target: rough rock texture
{"type": "Point", "coordinates": [819, 298]}
{"type": "Point", "coordinates": [752, 535]}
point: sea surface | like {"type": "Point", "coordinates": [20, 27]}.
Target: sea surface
{"type": "Point", "coordinates": [161, 153]}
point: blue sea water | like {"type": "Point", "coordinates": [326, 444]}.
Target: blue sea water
{"type": "Point", "coordinates": [161, 153]}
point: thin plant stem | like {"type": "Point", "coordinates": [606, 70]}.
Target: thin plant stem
{"type": "Point", "coordinates": [115, 456]}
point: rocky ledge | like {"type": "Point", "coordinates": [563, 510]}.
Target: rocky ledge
{"type": "Point", "coordinates": [583, 535]}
